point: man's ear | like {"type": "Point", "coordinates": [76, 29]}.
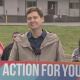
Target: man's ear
{"type": "Point", "coordinates": [42, 19]}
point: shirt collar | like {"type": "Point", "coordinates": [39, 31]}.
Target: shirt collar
{"type": "Point", "coordinates": [43, 33]}
{"type": "Point", "coordinates": [29, 35]}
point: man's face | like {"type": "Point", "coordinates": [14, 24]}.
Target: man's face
{"type": "Point", "coordinates": [14, 35]}
{"type": "Point", "coordinates": [34, 20]}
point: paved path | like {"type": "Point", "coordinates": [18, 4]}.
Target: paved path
{"type": "Point", "coordinates": [55, 23]}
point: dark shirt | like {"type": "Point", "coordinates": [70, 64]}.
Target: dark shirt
{"type": "Point", "coordinates": [36, 42]}
{"type": "Point", "coordinates": [6, 52]}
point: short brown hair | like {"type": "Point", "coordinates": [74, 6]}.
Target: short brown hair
{"type": "Point", "coordinates": [15, 33]}
{"type": "Point", "coordinates": [37, 9]}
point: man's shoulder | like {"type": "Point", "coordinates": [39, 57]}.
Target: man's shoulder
{"type": "Point", "coordinates": [9, 46]}
{"type": "Point", "coordinates": [21, 37]}
{"type": "Point", "coordinates": [52, 35]}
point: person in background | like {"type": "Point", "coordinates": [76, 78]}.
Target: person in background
{"type": "Point", "coordinates": [76, 54]}
{"type": "Point", "coordinates": [7, 50]}
{"type": "Point", "coordinates": [37, 44]}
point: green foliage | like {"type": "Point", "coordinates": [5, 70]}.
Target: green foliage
{"type": "Point", "coordinates": [69, 36]}
{"type": "Point", "coordinates": [1, 17]}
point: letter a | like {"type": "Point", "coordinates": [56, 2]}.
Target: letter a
{"type": "Point", "coordinates": [6, 70]}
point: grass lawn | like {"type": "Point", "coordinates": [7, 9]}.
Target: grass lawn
{"type": "Point", "coordinates": [69, 36]}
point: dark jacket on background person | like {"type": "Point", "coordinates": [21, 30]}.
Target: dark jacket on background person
{"type": "Point", "coordinates": [51, 49]}
{"type": "Point", "coordinates": [6, 52]}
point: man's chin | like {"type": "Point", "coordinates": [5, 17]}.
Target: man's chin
{"type": "Point", "coordinates": [33, 28]}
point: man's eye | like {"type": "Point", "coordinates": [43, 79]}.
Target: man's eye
{"type": "Point", "coordinates": [14, 36]}
{"type": "Point", "coordinates": [28, 18]}
{"type": "Point", "coordinates": [35, 17]}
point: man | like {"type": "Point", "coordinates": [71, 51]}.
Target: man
{"type": "Point", "coordinates": [38, 44]}
{"type": "Point", "coordinates": [7, 50]}
{"type": "Point", "coordinates": [76, 54]}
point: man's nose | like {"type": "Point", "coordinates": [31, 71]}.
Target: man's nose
{"type": "Point", "coordinates": [32, 20]}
